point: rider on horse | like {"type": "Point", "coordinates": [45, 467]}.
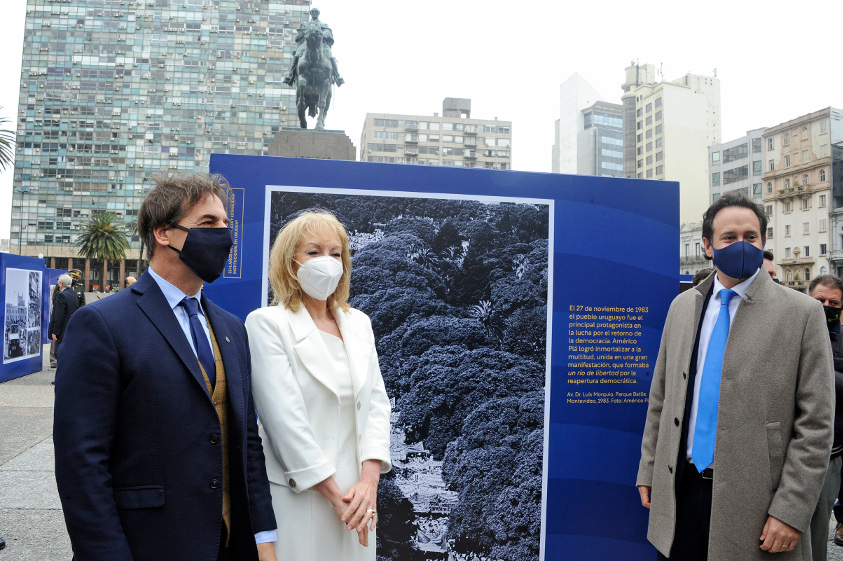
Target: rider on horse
{"type": "Point", "coordinates": [327, 43]}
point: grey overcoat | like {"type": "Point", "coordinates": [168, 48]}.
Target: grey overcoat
{"type": "Point", "coordinates": [774, 426]}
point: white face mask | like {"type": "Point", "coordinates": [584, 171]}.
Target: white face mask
{"type": "Point", "coordinates": [320, 276]}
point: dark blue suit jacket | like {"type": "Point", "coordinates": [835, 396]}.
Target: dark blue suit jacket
{"type": "Point", "coordinates": [138, 454]}
{"type": "Point", "coordinates": [65, 305]}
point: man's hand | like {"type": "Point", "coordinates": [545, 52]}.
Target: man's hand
{"type": "Point", "coordinates": [645, 495]}
{"type": "Point", "coordinates": [266, 552]}
{"type": "Point", "coordinates": [54, 337]}
{"type": "Point", "coordinates": [778, 536]}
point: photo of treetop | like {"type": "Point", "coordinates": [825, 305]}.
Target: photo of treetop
{"type": "Point", "coordinates": [457, 293]}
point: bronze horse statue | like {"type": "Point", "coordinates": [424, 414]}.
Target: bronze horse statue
{"type": "Point", "coordinates": [314, 84]}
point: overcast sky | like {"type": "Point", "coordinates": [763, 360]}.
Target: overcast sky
{"type": "Point", "coordinates": [775, 61]}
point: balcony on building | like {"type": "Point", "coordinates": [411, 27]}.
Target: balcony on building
{"type": "Point", "coordinates": [411, 151]}
{"type": "Point", "coordinates": [470, 129]}
{"type": "Point", "coordinates": [470, 141]}
{"type": "Point", "coordinates": [411, 138]}
{"type": "Point", "coordinates": [470, 154]}
{"type": "Point", "coordinates": [411, 126]}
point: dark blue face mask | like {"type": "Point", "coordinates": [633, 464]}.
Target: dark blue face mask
{"type": "Point", "coordinates": [739, 260]}
{"type": "Point", "coordinates": [205, 250]}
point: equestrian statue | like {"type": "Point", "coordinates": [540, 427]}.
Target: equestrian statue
{"type": "Point", "coordinates": [316, 69]}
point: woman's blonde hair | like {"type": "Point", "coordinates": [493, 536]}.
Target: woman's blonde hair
{"type": "Point", "coordinates": [282, 276]}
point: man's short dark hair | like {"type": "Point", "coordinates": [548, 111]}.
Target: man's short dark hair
{"type": "Point", "coordinates": [701, 275]}
{"type": "Point", "coordinates": [829, 281]}
{"type": "Point", "coordinates": [171, 198]}
{"type": "Point", "coordinates": [733, 198]}
{"type": "Point", "coordinates": [768, 255]}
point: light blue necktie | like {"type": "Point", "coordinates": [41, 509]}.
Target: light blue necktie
{"type": "Point", "coordinates": [705, 429]}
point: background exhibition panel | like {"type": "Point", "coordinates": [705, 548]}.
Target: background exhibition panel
{"type": "Point", "coordinates": [516, 430]}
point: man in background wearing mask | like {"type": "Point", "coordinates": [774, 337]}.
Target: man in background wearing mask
{"type": "Point", "coordinates": [157, 450]}
{"type": "Point", "coordinates": [739, 426]}
{"type": "Point", "coordinates": [828, 290]}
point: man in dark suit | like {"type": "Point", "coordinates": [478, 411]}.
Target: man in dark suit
{"type": "Point", "coordinates": [157, 449]}
{"type": "Point", "coordinates": [65, 304]}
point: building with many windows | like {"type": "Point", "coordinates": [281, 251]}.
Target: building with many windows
{"type": "Point", "coordinates": [668, 127]}
{"type": "Point", "coordinates": [737, 166]}
{"type": "Point", "coordinates": [589, 132]}
{"type": "Point", "coordinates": [112, 92]}
{"type": "Point", "coordinates": [455, 139]}
{"type": "Point", "coordinates": [806, 214]}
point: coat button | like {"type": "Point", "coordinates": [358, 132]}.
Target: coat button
{"type": "Point", "coordinates": [358, 406]}
{"type": "Point", "coordinates": [214, 438]}
{"type": "Point", "coordinates": [670, 469]}
{"type": "Point", "coordinates": [684, 375]}
{"type": "Point", "coordinates": [227, 340]}
{"type": "Point", "coordinates": [676, 421]}
{"type": "Point", "coordinates": [292, 484]}
{"type": "Point", "coordinates": [215, 484]}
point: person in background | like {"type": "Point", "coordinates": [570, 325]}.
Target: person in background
{"type": "Point", "coordinates": [701, 275]}
{"type": "Point", "coordinates": [323, 408]}
{"type": "Point", "coordinates": [65, 306]}
{"type": "Point", "coordinates": [828, 290]}
{"type": "Point", "coordinates": [130, 281]}
{"type": "Point", "coordinates": [769, 264]}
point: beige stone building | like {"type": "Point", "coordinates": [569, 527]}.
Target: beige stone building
{"type": "Point", "coordinates": [798, 195]}
{"type": "Point", "coordinates": [668, 127]}
{"type": "Point", "coordinates": [453, 139]}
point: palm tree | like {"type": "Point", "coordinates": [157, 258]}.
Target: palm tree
{"type": "Point", "coordinates": [7, 145]}
{"type": "Point", "coordinates": [103, 239]}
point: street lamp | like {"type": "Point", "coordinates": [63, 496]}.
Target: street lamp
{"type": "Point", "coordinates": [22, 191]}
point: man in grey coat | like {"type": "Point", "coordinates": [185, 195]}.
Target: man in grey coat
{"type": "Point", "coordinates": [739, 426]}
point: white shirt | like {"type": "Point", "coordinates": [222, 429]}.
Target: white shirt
{"type": "Point", "coordinates": [708, 321]}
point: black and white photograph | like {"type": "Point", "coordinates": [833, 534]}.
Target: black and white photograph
{"type": "Point", "coordinates": [457, 291]}
{"type": "Point", "coordinates": [22, 324]}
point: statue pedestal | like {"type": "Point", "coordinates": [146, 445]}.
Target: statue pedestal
{"type": "Point", "coordinates": [309, 143]}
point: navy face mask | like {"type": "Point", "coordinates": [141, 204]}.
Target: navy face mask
{"type": "Point", "coordinates": [739, 260]}
{"type": "Point", "coordinates": [205, 250]}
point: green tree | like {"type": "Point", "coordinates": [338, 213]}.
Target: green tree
{"type": "Point", "coordinates": [7, 145]}
{"type": "Point", "coordinates": [103, 238]}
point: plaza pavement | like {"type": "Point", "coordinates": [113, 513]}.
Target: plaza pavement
{"type": "Point", "coordinates": [31, 518]}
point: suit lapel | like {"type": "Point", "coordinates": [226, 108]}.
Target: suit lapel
{"type": "Point", "coordinates": [230, 355]}
{"type": "Point", "coordinates": [358, 349]}
{"type": "Point", "coordinates": [156, 308]}
{"type": "Point", "coordinates": [310, 348]}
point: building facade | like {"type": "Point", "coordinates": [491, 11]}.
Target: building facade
{"type": "Point", "coordinates": [668, 127]}
{"type": "Point", "coordinates": [588, 133]}
{"type": "Point", "coordinates": [737, 166]}
{"type": "Point", "coordinates": [113, 92]}
{"type": "Point", "coordinates": [799, 199]}
{"type": "Point", "coordinates": [454, 139]}
{"type": "Point", "coordinates": [691, 249]}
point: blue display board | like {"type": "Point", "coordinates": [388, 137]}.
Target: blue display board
{"type": "Point", "coordinates": [24, 299]}
{"type": "Point", "coordinates": [534, 292]}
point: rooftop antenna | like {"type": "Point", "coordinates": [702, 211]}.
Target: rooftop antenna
{"type": "Point", "coordinates": [715, 73]}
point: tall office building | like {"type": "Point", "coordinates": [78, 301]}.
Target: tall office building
{"type": "Point", "coordinates": [737, 165]}
{"type": "Point", "coordinates": [454, 139]}
{"type": "Point", "coordinates": [589, 132]}
{"type": "Point", "coordinates": [115, 91]}
{"type": "Point", "coordinates": [668, 127]}
{"type": "Point", "coordinates": [803, 197]}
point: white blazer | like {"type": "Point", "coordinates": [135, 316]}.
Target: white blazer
{"type": "Point", "coordinates": [297, 399]}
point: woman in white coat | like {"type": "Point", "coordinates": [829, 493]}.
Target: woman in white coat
{"type": "Point", "coordinates": [320, 397]}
